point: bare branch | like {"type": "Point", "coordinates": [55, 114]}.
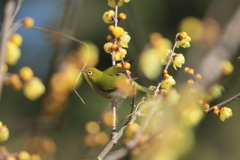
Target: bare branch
{"type": "Point", "coordinates": [8, 12]}
{"type": "Point", "coordinates": [222, 104]}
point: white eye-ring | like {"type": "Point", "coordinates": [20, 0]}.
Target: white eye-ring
{"type": "Point", "coordinates": [90, 73]}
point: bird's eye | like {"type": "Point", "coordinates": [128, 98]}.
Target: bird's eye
{"type": "Point", "coordinates": [90, 73]}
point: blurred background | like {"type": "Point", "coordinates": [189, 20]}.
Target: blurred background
{"type": "Point", "coordinates": [58, 133]}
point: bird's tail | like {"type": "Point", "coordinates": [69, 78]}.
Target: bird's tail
{"type": "Point", "coordinates": [144, 89]}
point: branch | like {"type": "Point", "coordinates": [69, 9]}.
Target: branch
{"type": "Point", "coordinates": [224, 102]}
{"type": "Point", "coordinates": [134, 141]}
{"type": "Point", "coordinates": [116, 138]}
{"type": "Point", "coordinates": [8, 12]}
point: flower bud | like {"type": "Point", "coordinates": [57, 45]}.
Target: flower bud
{"type": "Point", "coordinates": [28, 22]}
{"type": "Point", "coordinates": [26, 73]}
{"type": "Point", "coordinates": [4, 133]}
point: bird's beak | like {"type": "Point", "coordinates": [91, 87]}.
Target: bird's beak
{"type": "Point", "coordinates": [82, 71]}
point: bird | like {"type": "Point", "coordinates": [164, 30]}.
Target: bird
{"type": "Point", "coordinates": [112, 83]}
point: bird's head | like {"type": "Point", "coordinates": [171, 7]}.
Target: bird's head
{"type": "Point", "coordinates": [91, 75]}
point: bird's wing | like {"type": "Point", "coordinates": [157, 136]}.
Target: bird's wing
{"type": "Point", "coordinates": [114, 71]}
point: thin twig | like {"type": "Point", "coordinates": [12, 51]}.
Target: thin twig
{"type": "Point", "coordinates": [222, 104]}
{"type": "Point", "coordinates": [119, 134]}
{"type": "Point", "coordinates": [115, 39]}
{"type": "Point", "coordinates": [133, 143]}
{"type": "Point", "coordinates": [166, 67]}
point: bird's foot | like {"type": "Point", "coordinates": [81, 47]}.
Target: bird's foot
{"type": "Point", "coordinates": [114, 136]}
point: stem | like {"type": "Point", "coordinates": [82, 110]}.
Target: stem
{"type": "Point", "coordinates": [166, 67]}
{"type": "Point", "coordinates": [224, 102]}
{"type": "Point", "coordinates": [114, 108]}
{"type": "Point", "coordinates": [115, 25]}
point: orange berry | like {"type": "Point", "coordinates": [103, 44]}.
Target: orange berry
{"type": "Point", "coordinates": [118, 31]}
{"type": "Point", "coordinates": [165, 72]}
{"type": "Point", "coordinates": [215, 108]}
{"type": "Point", "coordinates": [28, 22]}
{"type": "Point", "coordinates": [111, 27]}
{"type": "Point", "coordinates": [238, 58]}
{"type": "Point", "coordinates": [191, 71]}
{"type": "Point", "coordinates": [216, 112]}
{"type": "Point", "coordinates": [122, 16]}
{"type": "Point", "coordinates": [126, 65]}
{"type": "Point", "coordinates": [114, 47]}
{"type": "Point", "coordinates": [110, 37]}
{"type": "Point", "coordinates": [166, 76]}
{"type": "Point", "coordinates": [206, 106]}
{"type": "Point", "coordinates": [119, 65]}
{"type": "Point", "coordinates": [186, 69]}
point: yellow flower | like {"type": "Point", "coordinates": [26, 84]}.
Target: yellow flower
{"type": "Point", "coordinates": [225, 113]}
{"type": "Point", "coordinates": [215, 91]}
{"type": "Point", "coordinates": [13, 53]}
{"type": "Point", "coordinates": [4, 133]}
{"type": "Point", "coordinates": [26, 73]}
{"type": "Point", "coordinates": [34, 88]}
{"type": "Point", "coordinates": [108, 16]}
{"type": "Point", "coordinates": [183, 40]}
{"type": "Point", "coordinates": [23, 155]}
{"type": "Point", "coordinates": [119, 3]}
{"type": "Point", "coordinates": [226, 67]}
{"type": "Point", "coordinates": [16, 39]}
{"type": "Point", "coordinates": [108, 47]}
{"type": "Point", "coordinates": [178, 60]}
{"type": "Point", "coordinates": [124, 40]}
{"type": "Point", "coordinates": [168, 82]}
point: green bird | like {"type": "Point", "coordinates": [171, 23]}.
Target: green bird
{"type": "Point", "coordinates": [112, 83]}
